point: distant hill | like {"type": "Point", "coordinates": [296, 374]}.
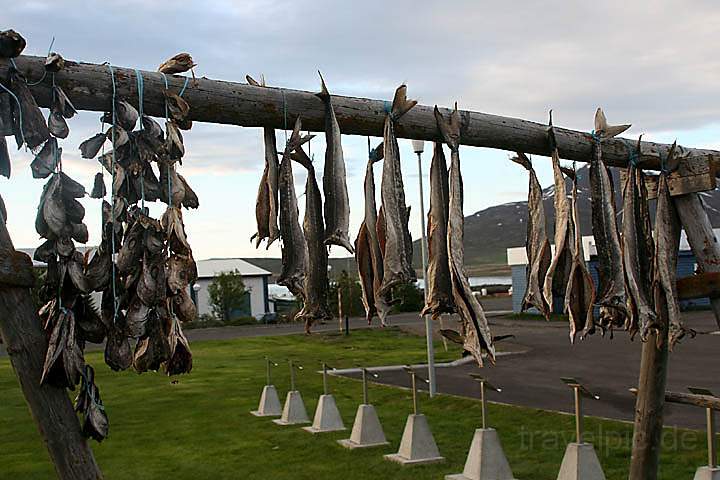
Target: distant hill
{"type": "Point", "coordinates": [489, 232]}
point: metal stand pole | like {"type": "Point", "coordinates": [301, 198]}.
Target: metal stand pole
{"type": "Point", "coordinates": [428, 321]}
{"type": "Point", "coordinates": [482, 403]}
{"type": "Point", "coordinates": [365, 387]}
{"type": "Point", "coordinates": [325, 380]}
{"type": "Point", "coordinates": [292, 376]}
{"type": "Point", "coordinates": [414, 392]}
{"type": "Point", "coordinates": [267, 371]}
{"type": "Point", "coordinates": [578, 416]}
{"type": "Point", "coordinates": [712, 452]}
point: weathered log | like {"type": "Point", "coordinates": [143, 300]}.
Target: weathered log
{"type": "Point", "coordinates": [705, 401]}
{"type": "Point", "coordinates": [701, 285]}
{"type": "Point", "coordinates": [89, 88]}
{"type": "Point", "coordinates": [701, 238]}
{"type": "Point", "coordinates": [26, 343]}
{"type": "Point", "coordinates": [649, 406]}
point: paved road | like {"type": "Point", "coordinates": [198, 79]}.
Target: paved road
{"type": "Point", "coordinates": [608, 367]}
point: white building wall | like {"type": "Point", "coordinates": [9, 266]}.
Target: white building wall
{"type": "Point", "coordinates": [253, 284]}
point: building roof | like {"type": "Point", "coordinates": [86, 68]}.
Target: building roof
{"type": "Point", "coordinates": [212, 267]}
{"type": "Point", "coordinates": [518, 256]}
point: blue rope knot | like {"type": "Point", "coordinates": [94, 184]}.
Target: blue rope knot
{"type": "Point", "coordinates": [595, 136]}
{"type": "Point", "coordinates": [387, 106]}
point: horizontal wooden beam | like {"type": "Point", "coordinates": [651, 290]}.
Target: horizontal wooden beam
{"type": "Point", "coordinates": [89, 88]}
{"type": "Point", "coordinates": [705, 401]}
{"type": "Point", "coordinates": [700, 285]}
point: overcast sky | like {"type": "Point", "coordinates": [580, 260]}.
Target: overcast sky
{"type": "Point", "coordinates": [653, 64]}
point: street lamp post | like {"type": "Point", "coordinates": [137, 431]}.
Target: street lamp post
{"type": "Point", "coordinates": [418, 147]}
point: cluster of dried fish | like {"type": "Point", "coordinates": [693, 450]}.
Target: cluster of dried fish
{"type": "Point", "coordinates": [397, 243]}
{"type": "Point", "coordinates": [474, 332]}
{"type": "Point", "coordinates": [368, 251]}
{"type": "Point", "coordinates": [315, 305]}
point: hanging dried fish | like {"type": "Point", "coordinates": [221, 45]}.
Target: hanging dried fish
{"type": "Point", "coordinates": [537, 245]}
{"type": "Point", "coordinates": [88, 320]}
{"type": "Point", "coordinates": [98, 190]}
{"type": "Point", "coordinates": [181, 271]}
{"type": "Point", "coordinates": [266, 209]}
{"type": "Point", "coordinates": [5, 164]}
{"type": "Point", "coordinates": [180, 360]}
{"type": "Point", "coordinates": [153, 349]}
{"type": "Point", "coordinates": [174, 228]}
{"type": "Point", "coordinates": [397, 258]}
{"type": "Point", "coordinates": [611, 288]}
{"type": "Point", "coordinates": [667, 244]}
{"type": "Point", "coordinates": [337, 202]}
{"type": "Point", "coordinates": [638, 249]}
{"type": "Point", "coordinates": [182, 62]}
{"type": "Point", "coordinates": [64, 359]}
{"type": "Point", "coordinates": [11, 44]}
{"type": "Point", "coordinates": [439, 297]}
{"type": "Point", "coordinates": [173, 142]}
{"type": "Point", "coordinates": [475, 329]}
{"type": "Point", "coordinates": [294, 248]}
{"type": "Point", "coordinates": [54, 62]}
{"type": "Point", "coordinates": [315, 287]}
{"type": "Point", "coordinates": [580, 292]}
{"type": "Point", "coordinates": [33, 131]}
{"type": "Point", "coordinates": [98, 267]}
{"type": "Point", "coordinates": [556, 277]}
{"type": "Point", "coordinates": [151, 288]}
{"type": "Point", "coordinates": [91, 147]}
{"type": "Point", "coordinates": [184, 307]}
{"type": "Point", "coordinates": [62, 104]}
{"type": "Point", "coordinates": [46, 160]}
{"type": "Point", "coordinates": [95, 422]}
{"type": "Point", "coordinates": [368, 254]}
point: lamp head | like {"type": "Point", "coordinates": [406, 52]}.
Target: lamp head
{"type": "Point", "coordinates": [418, 146]}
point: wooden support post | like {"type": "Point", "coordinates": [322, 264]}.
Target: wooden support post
{"type": "Point", "coordinates": [89, 87]}
{"type": "Point", "coordinates": [701, 238]}
{"type": "Point", "coordinates": [26, 343]}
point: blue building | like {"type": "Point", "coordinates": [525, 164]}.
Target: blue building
{"type": "Point", "coordinates": [517, 260]}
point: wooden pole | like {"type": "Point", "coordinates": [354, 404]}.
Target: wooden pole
{"type": "Point", "coordinates": [89, 87]}
{"type": "Point", "coordinates": [701, 238]}
{"type": "Point", "coordinates": [26, 343]}
{"type": "Point", "coordinates": [650, 402]}
{"type": "Point", "coordinates": [705, 401]}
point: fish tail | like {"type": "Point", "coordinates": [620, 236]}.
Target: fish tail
{"type": "Point", "coordinates": [296, 139]}
{"type": "Point", "coordinates": [252, 81]}
{"type": "Point", "coordinates": [401, 105]}
{"type": "Point", "coordinates": [449, 127]}
{"type": "Point", "coordinates": [522, 159]}
{"type": "Point", "coordinates": [324, 95]}
{"type": "Point", "coordinates": [377, 154]}
{"type": "Point", "coordinates": [340, 240]}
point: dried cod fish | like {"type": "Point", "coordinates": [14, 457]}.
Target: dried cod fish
{"type": "Point", "coordinates": [62, 104]}
{"type": "Point", "coordinates": [638, 250]}
{"type": "Point", "coordinates": [54, 62]}
{"type": "Point", "coordinates": [34, 131]}
{"type": "Point", "coordinates": [88, 402]}
{"type": "Point", "coordinates": [64, 359]}
{"type": "Point", "coordinates": [98, 190]}
{"type": "Point", "coordinates": [181, 271]}
{"type": "Point", "coordinates": [475, 329]}
{"type": "Point", "coordinates": [315, 306]}
{"type": "Point", "coordinates": [337, 202]}
{"type": "Point", "coordinates": [397, 258]}
{"type": "Point", "coordinates": [174, 228]}
{"type": "Point", "coordinates": [152, 349]}
{"type": "Point", "coordinates": [184, 307]}
{"type": "Point", "coordinates": [46, 160]}
{"type": "Point", "coordinates": [294, 248]}
{"type": "Point", "coordinates": [266, 206]}
{"type": "Point", "coordinates": [556, 277]}
{"type": "Point", "coordinates": [11, 44]}
{"type": "Point", "coordinates": [91, 147]}
{"type": "Point", "coordinates": [667, 244]}
{"type": "Point", "coordinates": [439, 297]}
{"type": "Point", "coordinates": [5, 164]}
{"type": "Point", "coordinates": [537, 245]}
{"type": "Point", "coordinates": [180, 358]}
{"type": "Point", "coordinates": [368, 253]}
{"type": "Point", "coordinates": [611, 289]}
{"type": "Point", "coordinates": [182, 62]}
{"type": "Point", "coordinates": [580, 292]}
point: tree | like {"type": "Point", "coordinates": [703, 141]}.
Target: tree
{"type": "Point", "coordinates": [227, 293]}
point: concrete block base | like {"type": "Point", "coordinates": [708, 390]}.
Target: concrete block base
{"type": "Point", "coordinates": [269, 403]}
{"type": "Point", "coordinates": [366, 431]}
{"type": "Point", "coordinates": [707, 473]}
{"type": "Point", "coordinates": [580, 463]}
{"type": "Point", "coordinates": [486, 459]}
{"type": "Point", "coordinates": [327, 417]}
{"type": "Point", "coordinates": [294, 410]}
{"type": "Point", "coordinates": [417, 446]}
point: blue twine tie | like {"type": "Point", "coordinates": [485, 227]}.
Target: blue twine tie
{"type": "Point", "coordinates": [141, 93]}
{"type": "Point", "coordinates": [112, 191]}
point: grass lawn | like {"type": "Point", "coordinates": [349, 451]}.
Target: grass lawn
{"type": "Point", "coordinates": [200, 427]}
